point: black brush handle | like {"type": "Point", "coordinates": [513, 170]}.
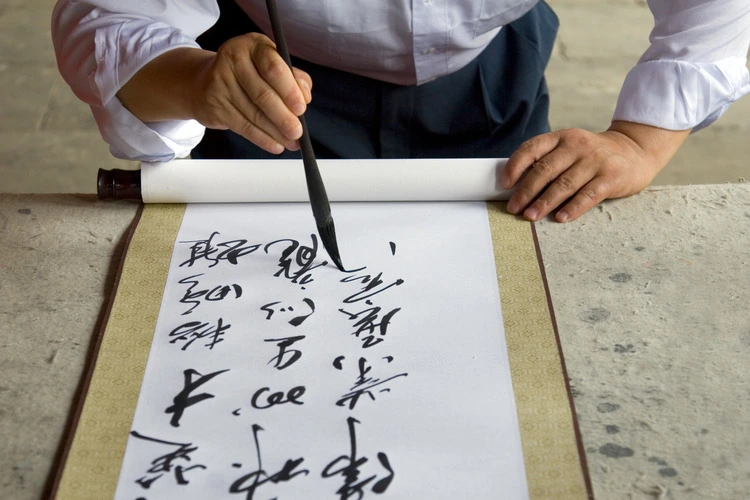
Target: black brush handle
{"type": "Point", "coordinates": [315, 187]}
{"type": "Point", "coordinates": [316, 190]}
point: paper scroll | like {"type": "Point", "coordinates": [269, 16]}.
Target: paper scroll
{"type": "Point", "coordinates": [273, 375]}
{"type": "Point", "coordinates": [202, 181]}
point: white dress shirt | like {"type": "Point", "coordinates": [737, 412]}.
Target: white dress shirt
{"type": "Point", "coordinates": [691, 73]}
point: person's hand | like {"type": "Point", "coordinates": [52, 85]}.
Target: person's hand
{"type": "Point", "coordinates": [245, 86]}
{"type": "Point", "coordinates": [576, 169]}
{"type": "Point", "coordinates": [248, 88]}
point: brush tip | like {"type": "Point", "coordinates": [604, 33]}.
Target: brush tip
{"type": "Point", "coordinates": [328, 237]}
{"type": "Point", "coordinates": [337, 260]}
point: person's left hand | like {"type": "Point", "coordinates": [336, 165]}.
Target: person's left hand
{"type": "Point", "coordinates": [577, 169]}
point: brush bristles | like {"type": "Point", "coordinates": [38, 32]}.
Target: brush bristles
{"type": "Point", "coordinates": [328, 237]}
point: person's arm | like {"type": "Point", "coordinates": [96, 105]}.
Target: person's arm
{"type": "Point", "coordinates": [153, 91]}
{"type": "Point", "coordinates": [101, 44]}
{"type": "Point", "coordinates": [245, 86]}
{"type": "Point", "coordinates": [693, 70]}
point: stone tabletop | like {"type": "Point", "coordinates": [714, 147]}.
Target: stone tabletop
{"type": "Point", "coordinates": [650, 295]}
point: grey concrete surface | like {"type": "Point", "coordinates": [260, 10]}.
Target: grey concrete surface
{"type": "Point", "coordinates": [49, 142]}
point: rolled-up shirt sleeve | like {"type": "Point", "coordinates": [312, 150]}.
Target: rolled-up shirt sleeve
{"type": "Point", "coordinates": [695, 67]}
{"type": "Point", "coordinates": [100, 45]}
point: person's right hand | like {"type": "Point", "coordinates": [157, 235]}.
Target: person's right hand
{"type": "Point", "coordinates": [248, 88]}
{"type": "Point", "coordinates": [245, 87]}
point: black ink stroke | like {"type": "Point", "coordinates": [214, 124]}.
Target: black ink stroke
{"type": "Point", "coordinates": [183, 399]}
{"type": "Point", "coordinates": [367, 323]}
{"type": "Point", "coordinates": [278, 397]}
{"type": "Point", "coordinates": [193, 330]}
{"type": "Point", "coordinates": [348, 466]}
{"type": "Point", "coordinates": [298, 320]}
{"type": "Point", "coordinates": [301, 261]}
{"type": "Point", "coordinates": [269, 309]}
{"type": "Point", "coordinates": [250, 482]}
{"type": "Point", "coordinates": [337, 363]}
{"type": "Point", "coordinates": [194, 297]}
{"type": "Point", "coordinates": [365, 386]}
{"type": "Point", "coordinates": [295, 321]}
{"type": "Point", "coordinates": [370, 288]}
{"type": "Point", "coordinates": [213, 252]}
{"type": "Point", "coordinates": [165, 463]}
{"type": "Point", "coordinates": [286, 357]}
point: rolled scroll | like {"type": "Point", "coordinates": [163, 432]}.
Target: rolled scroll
{"type": "Point", "coordinates": [231, 181]}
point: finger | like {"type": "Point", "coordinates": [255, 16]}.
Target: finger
{"type": "Point", "coordinates": [267, 101]}
{"type": "Point", "coordinates": [596, 191]}
{"type": "Point", "coordinates": [256, 135]}
{"type": "Point", "coordinates": [249, 117]}
{"type": "Point", "coordinates": [305, 83]}
{"type": "Point", "coordinates": [239, 123]}
{"type": "Point", "coordinates": [525, 156]}
{"type": "Point", "coordinates": [274, 71]}
{"type": "Point", "coordinates": [543, 172]}
{"type": "Point", "coordinates": [561, 189]}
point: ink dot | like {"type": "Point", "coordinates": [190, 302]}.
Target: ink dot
{"type": "Point", "coordinates": [236, 466]}
{"type": "Point", "coordinates": [337, 362]}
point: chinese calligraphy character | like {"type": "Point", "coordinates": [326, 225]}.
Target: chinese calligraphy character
{"type": "Point", "coordinates": [250, 482]}
{"type": "Point", "coordinates": [348, 466]}
{"type": "Point", "coordinates": [165, 463]}
{"type": "Point", "coordinates": [182, 400]}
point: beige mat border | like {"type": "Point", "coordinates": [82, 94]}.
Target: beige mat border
{"type": "Point", "coordinates": [555, 463]}
{"type": "Point", "coordinates": [91, 463]}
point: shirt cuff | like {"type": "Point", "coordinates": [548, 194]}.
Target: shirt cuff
{"type": "Point", "coordinates": [120, 51]}
{"type": "Point", "coordinates": [131, 139]}
{"type": "Point", "coordinates": [680, 95]}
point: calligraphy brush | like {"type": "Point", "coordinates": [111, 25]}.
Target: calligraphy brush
{"type": "Point", "coordinates": [318, 198]}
